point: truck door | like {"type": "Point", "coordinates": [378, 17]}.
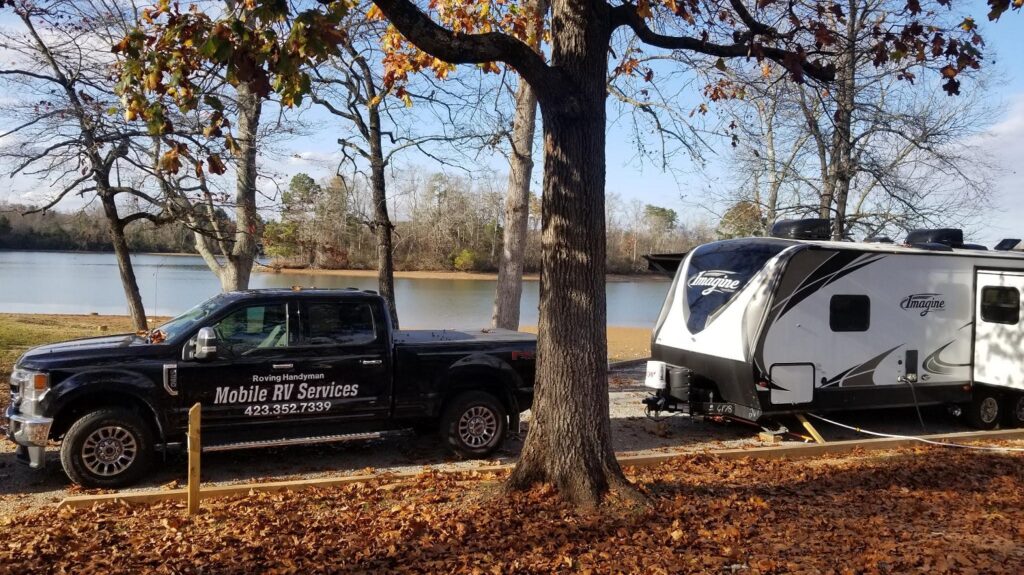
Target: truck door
{"type": "Point", "coordinates": [998, 332]}
{"type": "Point", "coordinates": [253, 342]}
{"type": "Point", "coordinates": [344, 358]}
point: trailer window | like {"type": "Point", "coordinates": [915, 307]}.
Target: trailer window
{"type": "Point", "coordinates": [1000, 305]}
{"type": "Point", "coordinates": [716, 272]}
{"type": "Point", "coordinates": [849, 313]}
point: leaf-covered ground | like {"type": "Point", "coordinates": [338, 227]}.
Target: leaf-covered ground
{"type": "Point", "coordinates": [928, 510]}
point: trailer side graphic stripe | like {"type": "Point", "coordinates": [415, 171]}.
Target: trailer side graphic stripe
{"type": "Point", "coordinates": [861, 375]}
{"type": "Point", "coordinates": [934, 364]}
{"type": "Point", "coordinates": [839, 265]}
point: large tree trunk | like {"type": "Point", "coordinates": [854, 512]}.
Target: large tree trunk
{"type": "Point", "coordinates": [124, 263]}
{"type": "Point", "coordinates": [236, 272]}
{"type": "Point", "coordinates": [509, 290]}
{"type": "Point", "coordinates": [569, 443]}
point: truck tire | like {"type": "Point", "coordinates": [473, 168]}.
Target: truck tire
{"type": "Point", "coordinates": [1014, 408]}
{"type": "Point", "coordinates": [985, 409]}
{"type": "Point", "coordinates": [109, 447]}
{"type": "Point", "coordinates": [474, 424]}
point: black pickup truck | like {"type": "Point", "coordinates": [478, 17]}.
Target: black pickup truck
{"type": "Point", "coordinates": [270, 368]}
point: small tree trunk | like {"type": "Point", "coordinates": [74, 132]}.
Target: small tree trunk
{"type": "Point", "coordinates": [124, 264]}
{"type": "Point", "coordinates": [509, 290]}
{"type": "Point", "coordinates": [569, 444]}
{"type": "Point", "coordinates": [382, 226]}
{"type": "Point", "coordinates": [842, 136]}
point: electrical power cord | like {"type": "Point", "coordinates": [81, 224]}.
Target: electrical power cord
{"type": "Point", "coordinates": [917, 406]}
{"type": "Point", "coordinates": [921, 439]}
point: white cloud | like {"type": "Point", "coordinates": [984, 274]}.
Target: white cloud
{"type": "Point", "coordinates": [1003, 145]}
{"type": "Point", "coordinates": [313, 158]}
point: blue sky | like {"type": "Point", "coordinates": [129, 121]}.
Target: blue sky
{"type": "Point", "coordinates": [684, 188]}
{"type": "Point", "coordinates": [691, 192]}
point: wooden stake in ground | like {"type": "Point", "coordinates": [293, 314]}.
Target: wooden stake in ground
{"type": "Point", "coordinates": [194, 449]}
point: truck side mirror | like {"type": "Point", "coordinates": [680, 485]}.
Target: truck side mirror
{"type": "Point", "coordinates": [206, 344]}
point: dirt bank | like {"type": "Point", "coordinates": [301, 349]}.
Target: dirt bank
{"type": "Point", "coordinates": [18, 332]}
{"type": "Point", "coordinates": [441, 275]}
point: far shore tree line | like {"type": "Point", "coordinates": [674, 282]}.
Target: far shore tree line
{"type": "Point", "coordinates": [446, 222]}
{"type": "Point", "coordinates": [443, 223]}
{"type": "Point", "coordinates": [164, 115]}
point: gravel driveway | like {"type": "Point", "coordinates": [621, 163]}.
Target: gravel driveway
{"type": "Point", "coordinates": [22, 489]}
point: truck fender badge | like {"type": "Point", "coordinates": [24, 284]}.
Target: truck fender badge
{"type": "Point", "coordinates": [171, 378]}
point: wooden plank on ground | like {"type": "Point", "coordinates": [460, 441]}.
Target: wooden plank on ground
{"type": "Point", "coordinates": [805, 450]}
{"type": "Point", "coordinates": [195, 450]}
{"type": "Point", "coordinates": [156, 496]}
{"type": "Point", "coordinates": [797, 451]}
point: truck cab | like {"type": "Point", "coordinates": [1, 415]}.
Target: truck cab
{"type": "Point", "coordinates": [270, 368]}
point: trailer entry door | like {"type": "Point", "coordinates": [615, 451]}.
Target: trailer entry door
{"type": "Point", "coordinates": [999, 332]}
{"type": "Point", "coordinates": [792, 383]}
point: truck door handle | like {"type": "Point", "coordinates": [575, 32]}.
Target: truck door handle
{"type": "Point", "coordinates": [371, 361]}
{"type": "Point", "coordinates": [283, 365]}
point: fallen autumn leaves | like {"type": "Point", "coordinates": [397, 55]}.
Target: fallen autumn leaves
{"type": "Point", "coordinates": [926, 510]}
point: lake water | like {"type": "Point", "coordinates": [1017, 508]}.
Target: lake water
{"type": "Point", "coordinates": [79, 283]}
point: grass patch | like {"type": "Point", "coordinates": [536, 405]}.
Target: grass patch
{"type": "Point", "coordinates": [19, 332]}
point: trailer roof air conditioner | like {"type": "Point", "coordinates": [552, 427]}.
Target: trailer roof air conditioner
{"type": "Point", "coordinates": [806, 229]}
{"type": "Point", "coordinates": [949, 237]}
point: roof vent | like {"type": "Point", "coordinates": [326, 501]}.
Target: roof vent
{"type": "Point", "coordinates": [878, 240]}
{"type": "Point", "coordinates": [951, 237]}
{"type": "Point", "coordinates": [1009, 244]}
{"type": "Point", "coordinates": [806, 229]}
{"type": "Point", "coordinates": [933, 247]}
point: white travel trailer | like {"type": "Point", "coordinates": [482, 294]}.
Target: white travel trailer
{"type": "Point", "coordinates": [758, 327]}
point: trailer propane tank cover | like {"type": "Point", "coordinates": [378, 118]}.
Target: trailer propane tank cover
{"type": "Point", "coordinates": [655, 375]}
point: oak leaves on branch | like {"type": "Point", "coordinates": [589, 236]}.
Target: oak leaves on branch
{"type": "Point", "coordinates": [178, 58]}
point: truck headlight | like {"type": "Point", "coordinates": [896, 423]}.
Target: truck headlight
{"type": "Point", "coordinates": [31, 385]}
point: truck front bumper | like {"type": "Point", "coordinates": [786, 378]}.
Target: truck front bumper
{"type": "Point", "coordinates": [31, 433]}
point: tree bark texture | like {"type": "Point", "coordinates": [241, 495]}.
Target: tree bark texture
{"type": "Point", "coordinates": [569, 443]}
{"type": "Point", "coordinates": [841, 171]}
{"type": "Point", "coordinates": [239, 248]}
{"type": "Point", "coordinates": [235, 275]}
{"type": "Point", "coordinates": [382, 226]}
{"type": "Point", "coordinates": [509, 290]}
{"type": "Point", "coordinates": [124, 263]}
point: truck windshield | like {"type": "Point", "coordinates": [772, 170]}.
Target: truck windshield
{"type": "Point", "coordinates": [189, 319]}
{"type": "Point", "coordinates": [717, 271]}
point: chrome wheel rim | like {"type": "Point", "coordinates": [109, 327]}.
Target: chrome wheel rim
{"type": "Point", "coordinates": [478, 426]}
{"type": "Point", "coordinates": [109, 451]}
{"type": "Point", "coordinates": [989, 409]}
